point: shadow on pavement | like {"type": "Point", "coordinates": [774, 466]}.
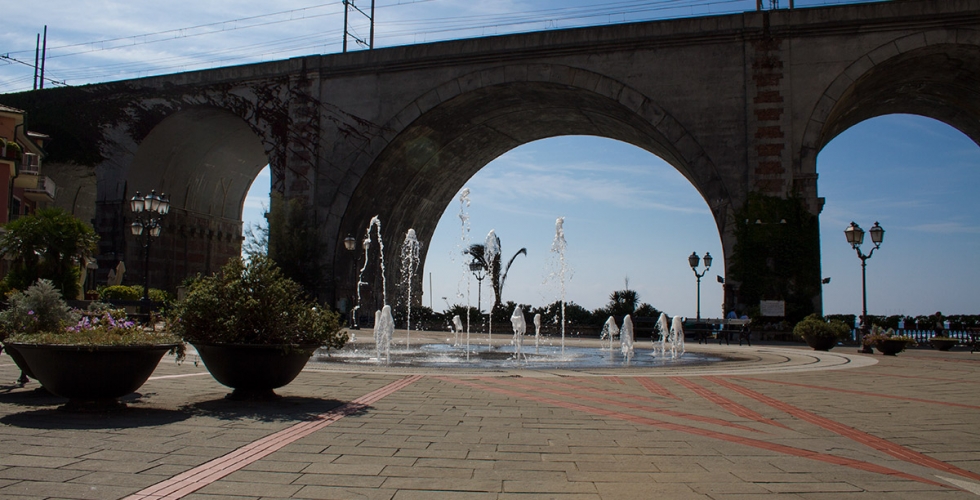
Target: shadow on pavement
{"type": "Point", "coordinates": [120, 418]}
{"type": "Point", "coordinates": [285, 409]}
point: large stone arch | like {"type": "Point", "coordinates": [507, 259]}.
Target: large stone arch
{"type": "Point", "coordinates": [204, 159]}
{"type": "Point", "coordinates": [935, 74]}
{"type": "Point", "coordinates": [436, 143]}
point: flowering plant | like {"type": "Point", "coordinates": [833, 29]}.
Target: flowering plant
{"type": "Point", "coordinates": [879, 334]}
{"type": "Point", "coordinates": [40, 316]}
{"type": "Point", "coordinates": [40, 308]}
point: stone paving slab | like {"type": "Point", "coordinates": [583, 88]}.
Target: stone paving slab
{"type": "Point", "coordinates": [780, 421]}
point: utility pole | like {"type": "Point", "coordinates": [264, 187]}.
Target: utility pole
{"type": "Point", "coordinates": [348, 4]}
{"type": "Point", "coordinates": [37, 55]}
{"type": "Point", "coordinates": [44, 51]}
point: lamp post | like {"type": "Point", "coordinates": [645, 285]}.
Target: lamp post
{"type": "Point", "coordinates": [694, 260]}
{"type": "Point", "coordinates": [148, 211]}
{"type": "Point", "coordinates": [476, 267]}
{"type": "Point", "coordinates": [350, 243]}
{"type": "Point", "coordinates": [855, 236]}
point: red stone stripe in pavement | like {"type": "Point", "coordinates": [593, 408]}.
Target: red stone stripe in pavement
{"type": "Point", "coordinates": [610, 402]}
{"type": "Point", "coordinates": [205, 474]}
{"type": "Point", "coordinates": [656, 388]}
{"type": "Point", "coordinates": [862, 393]}
{"type": "Point", "coordinates": [756, 443]}
{"type": "Point", "coordinates": [882, 445]}
{"type": "Point", "coordinates": [729, 405]}
{"type": "Point", "coordinates": [615, 379]}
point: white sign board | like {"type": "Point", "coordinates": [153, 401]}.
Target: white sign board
{"type": "Point", "coordinates": [772, 308]}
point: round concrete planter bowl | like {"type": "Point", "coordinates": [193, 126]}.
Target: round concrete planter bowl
{"type": "Point", "coordinates": [254, 371]}
{"type": "Point", "coordinates": [91, 377]}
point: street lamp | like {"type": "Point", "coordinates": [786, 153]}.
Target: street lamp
{"type": "Point", "coordinates": [350, 243]}
{"type": "Point", "coordinates": [476, 267]}
{"type": "Point", "coordinates": [148, 212]}
{"type": "Point", "coordinates": [855, 236]}
{"type": "Point", "coordinates": [694, 260]}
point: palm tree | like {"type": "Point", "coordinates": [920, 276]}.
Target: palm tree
{"type": "Point", "coordinates": [491, 264]}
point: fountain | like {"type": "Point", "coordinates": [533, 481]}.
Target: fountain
{"type": "Point", "coordinates": [677, 337]}
{"type": "Point", "coordinates": [610, 331]}
{"type": "Point", "coordinates": [626, 338]}
{"type": "Point", "coordinates": [375, 222]}
{"type": "Point", "coordinates": [491, 249]}
{"type": "Point", "coordinates": [558, 247]}
{"type": "Point", "coordinates": [384, 328]}
{"type": "Point", "coordinates": [664, 328]}
{"type": "Point", "coordinates": [464, 242]}
{"type": "Point", "coordinates": [577, 356]}
{"type": "Point", "coordinates": [520, 327]}
{"type": "Point", "coordinates": [537, 332]}
{"type": "Point", "coordinates": [409, 265]}
{"type": "Point", "coordinates": [457, 329]}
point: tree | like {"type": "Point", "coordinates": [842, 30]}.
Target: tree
{"type": "Point", "coordinates": [491, 263]}
{"type": "Point", "coordinates": [50, 244]}
{"type": "Point", "coordinates": [622, 302]}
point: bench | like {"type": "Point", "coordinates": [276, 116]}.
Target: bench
{"type": "Point", "coordinates": [720, 329]}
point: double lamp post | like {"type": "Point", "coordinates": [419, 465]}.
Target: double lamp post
{"type": "Point", "coordinates": [694, 260]}
{"type": "Point", "coordinates": [855, 236]}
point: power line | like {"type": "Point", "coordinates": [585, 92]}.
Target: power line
{"type": "Point", "coordinates": [426, 28]}
{"type": "Point", "coordinates": [6, 57]}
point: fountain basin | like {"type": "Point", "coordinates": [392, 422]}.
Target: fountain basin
{"type": "Point", "coordinates": [504, 357]}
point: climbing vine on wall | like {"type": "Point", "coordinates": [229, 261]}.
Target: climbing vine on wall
{"type": "Point", "coordinates": [777, 256]}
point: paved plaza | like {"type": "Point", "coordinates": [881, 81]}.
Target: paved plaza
{"type": "Point", "coordinates": [774, 420]}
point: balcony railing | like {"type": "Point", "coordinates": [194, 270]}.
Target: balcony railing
{"type": "Point", "coordinates": [44, 192]}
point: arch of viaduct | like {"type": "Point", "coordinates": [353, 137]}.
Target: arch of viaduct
{"type": "Point", "coordinates": [738, 104]}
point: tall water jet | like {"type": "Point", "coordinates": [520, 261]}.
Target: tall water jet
{"type": "Point", "coordinates": [366, 245]}
{"type": "Point", "coordinates": [537, 331]}
{"type": "Point", "coordinates": [520, 327]}
{"type": "Point", "coordinates": [677, 336]}
{"type": "Point", "coordinates": [491, 249]}
{"type": "Point", "coordinates": [664, 328]}
{"type": "Point", "coordinates": [558, 247]}
{"type": "Point", "coordinates": [384, 328]}
{"type": "Point", "coordinates": [626, 337]}
{"type": "Point", "coordinates": [464, 242]}
{"type": "Point", "coordinates": [610, 331]}
{"type": "Point", "coordinates": [409, 265]}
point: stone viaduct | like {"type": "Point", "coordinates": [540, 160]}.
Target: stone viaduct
{"type": "Point", "coordinates": [739, 104]}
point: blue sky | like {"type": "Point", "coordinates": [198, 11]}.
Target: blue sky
{"type": "Point", "coordinates": [627, 213]}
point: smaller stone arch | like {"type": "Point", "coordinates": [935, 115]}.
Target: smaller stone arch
{"type": "Point", "coordinates": [932, 73]}
{"type": "Point", "coordinates": [205, 159]}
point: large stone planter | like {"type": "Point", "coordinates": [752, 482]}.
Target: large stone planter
{"type": "Point", "coordinates": [820, 343]}
{"type": "Point", "coordinates": [943, 344]}
{"type": "Point", "coordinates": [891, 347]}
{"type": "Point", "coordinates": [254, 371]}
{"type": "Point", "coordinates": [91, 376]}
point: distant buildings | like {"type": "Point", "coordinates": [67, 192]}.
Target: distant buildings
{"type": "Point", "coordinates": [23, 189]}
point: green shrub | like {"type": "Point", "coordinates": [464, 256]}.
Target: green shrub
{"type": "Point", "coordinates": [815, 326]}
{"type": "Point", "coordinates": [40, 308]}
{"type": "Point", "coordinates": [253, 303]}
{"type": "Point", "coordinates": [121, 292]}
